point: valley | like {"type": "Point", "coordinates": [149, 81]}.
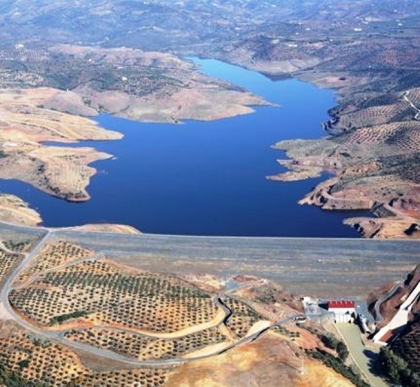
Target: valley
{"type": "Point", "coordinates": [105, 302]}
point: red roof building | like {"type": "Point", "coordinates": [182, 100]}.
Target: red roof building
{"type": "Point", "coordinates": [341, 304]}
{"type": "Point", "coordinates": [343, 310]}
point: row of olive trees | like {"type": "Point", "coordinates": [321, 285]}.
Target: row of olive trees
{"type": "Point", "coordinates": [331, 341]}
{"type": "Point", "coordinates": [396, 369]}
{"type": "Point", "coordinates": [10, 378]}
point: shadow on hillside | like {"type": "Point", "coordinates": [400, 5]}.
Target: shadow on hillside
{"type": "Point", "coordinates": [372, 364]}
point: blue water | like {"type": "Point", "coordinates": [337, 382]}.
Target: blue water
{"type": "Point", "coordinates": [205, 178]}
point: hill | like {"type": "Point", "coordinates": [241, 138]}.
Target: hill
{"type": "Point", "coordinates": [383, 303]}
{"type": "Point", "coordinates": [367, 53]}
{"type": "Point", "coordinates": [73, 315]}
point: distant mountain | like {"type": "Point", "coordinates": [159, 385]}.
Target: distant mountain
{"type": "Point", "coordinates": [189, 25]}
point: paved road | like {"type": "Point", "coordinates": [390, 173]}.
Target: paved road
{"type": "Point", "coordinates": [286, 260]}
{"type": "Point", "coordinates": [400, 319]}
{"type": "Point", "coordinates": [58, 335]}
{"type": "Point", "coordinates": [362, 356]}
{"type": "Point", "coordinates": [380, 301]}
{"type": "Point", "coordinates": [417, 116]}
{"type": "Point", "coordinates": [4, 295]}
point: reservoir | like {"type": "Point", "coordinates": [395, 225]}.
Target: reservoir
{"type": "Point", "coordinates": [205, 178]}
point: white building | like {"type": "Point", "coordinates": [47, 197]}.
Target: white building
{"type": "Point", "coordinates": [343, 310]}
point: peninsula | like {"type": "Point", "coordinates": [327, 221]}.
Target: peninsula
{"type": "Point", "coordinates": [367, 53]}
{"type": "Point", "coordinates": [40, 108]}
{"type": "Point", "coordinates": [104, 305]}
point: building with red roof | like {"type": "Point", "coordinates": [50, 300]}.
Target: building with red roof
{"type": "Point", "coordinates": [341, 304]}
{"type": "Point", "coordinates": [344, 310]}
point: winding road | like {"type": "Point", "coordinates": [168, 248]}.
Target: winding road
{"type": "Point", "coordinates": [58, 335]}
{"type": "Point", "coordinates": [278, 259]}
{"type": "Point", "coordinates": [380, 301]}
{"type": "Point", "coordinates": [417, 116]}
{"type": "Point", "coordinates": [400, 319]}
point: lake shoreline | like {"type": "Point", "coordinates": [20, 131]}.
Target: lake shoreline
{"type": "Point", "coordinates": [234, 153]}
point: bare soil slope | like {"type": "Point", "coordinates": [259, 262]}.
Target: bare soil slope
{"type": "Point", "coordinates": [267, 362]}
{"type": "Point", "coordinates": [391, 304]}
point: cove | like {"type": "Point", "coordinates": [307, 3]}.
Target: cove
{"type": "Point", "coordinates": [205, 178]}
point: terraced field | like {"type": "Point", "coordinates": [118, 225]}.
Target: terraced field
{"type": "Point", "coordinates": [146, 348]}
{"type": "Point", "coordinates": [408, 346]}
{"type": "Point", "coordinates": [242, 318]}
{"type": "Point", "coordinates": [373, 155]}
{"type": "Point", "coordinates": [52, 256]}
{"type": "Point", "coordinates": [105, 294]}
{"type": "Point", "coordinates": [7, 262]}
{"type": "Point", "coordinates": [414, 96]}
{"type": "Point", "coordinates": [18, 246]}
{"type": "Point", "coordinates": [91, 320]}
{"type": "Point", "coordinates": [392, 138]}
{"type": "Point", "coordinates": [369, 116]}
{"type": "Point", "coordinates": [88, 299]}
{"type": "Point", "coordinates": [38, 359]}
{"type": "Point", "coordinates": [138, 377]}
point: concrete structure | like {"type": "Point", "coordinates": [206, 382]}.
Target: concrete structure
{"type": "Point", "coordinates": [399, 321]}
{"type": "Point", "coordinates": [343, 310]}
{"type": "Point", "coordinates": [363, 324]}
